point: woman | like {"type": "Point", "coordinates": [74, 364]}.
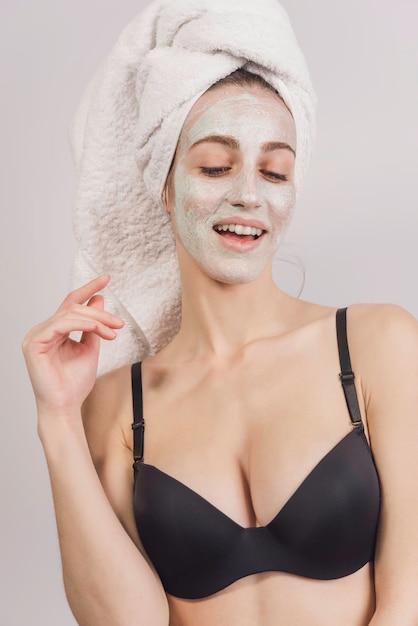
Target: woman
{"type": "Point", "coordinates": [257, 499]}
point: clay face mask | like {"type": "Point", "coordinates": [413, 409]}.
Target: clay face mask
{"type": "Point", "coordinates": [234, 195]}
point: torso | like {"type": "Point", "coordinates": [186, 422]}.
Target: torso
{"type": "Point", "coordinates": [256, 427]}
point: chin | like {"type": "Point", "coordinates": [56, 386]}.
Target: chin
{"type": "Point", "coordinates": [237, 275]}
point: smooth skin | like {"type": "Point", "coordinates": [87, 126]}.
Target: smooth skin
{"type": "Point", "coordinates": [106, 578]}
{"type": "Point", "coordinates": [240, 408]}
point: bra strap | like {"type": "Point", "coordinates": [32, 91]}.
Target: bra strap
{"type": "Point", "coordinates": [346, 374]}
{"type": "Point", "coordinates": [138, 425]}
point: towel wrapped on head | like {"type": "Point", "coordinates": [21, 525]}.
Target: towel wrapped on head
{"type": "Point", "coordinates": [124, 135]}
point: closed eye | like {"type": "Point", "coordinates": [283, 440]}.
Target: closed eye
{"type": "Point", "coordinates": [274, 175]}
{"type": "Point", "coordinates": [218, 171]}
{"type": "Point", "coordinates": [214, 171]}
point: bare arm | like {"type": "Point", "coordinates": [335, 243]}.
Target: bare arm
{"type": "Point", "coordinates": [108, 581]}
{"type": "Point", "coordinates": [390, 387]}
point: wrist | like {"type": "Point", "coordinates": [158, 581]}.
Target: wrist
{"type": "Point", "coordinates": [48, 409]}
{"type": "Point", "coordinates": [56, 423]}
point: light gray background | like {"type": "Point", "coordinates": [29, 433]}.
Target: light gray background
{"type": "Point", "coordinates": [355, 229]}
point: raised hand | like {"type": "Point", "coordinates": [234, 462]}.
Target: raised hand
{"type": "Point", "coordinates": [63, 371]}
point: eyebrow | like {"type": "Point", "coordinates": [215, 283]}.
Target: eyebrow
{"type": "Point", "coordinates": [232, 143]}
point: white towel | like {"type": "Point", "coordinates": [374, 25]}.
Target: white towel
{"type": "Point", "coordinates": [124, 134]}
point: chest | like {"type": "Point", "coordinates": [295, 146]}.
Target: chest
{"type": "Point", "coordinates": [244, 439]}
{"type": "Point", "coordinates": [258, 474]}
{"type": "Point", "coordinates": [313, 533]}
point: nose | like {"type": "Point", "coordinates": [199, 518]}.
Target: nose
{"type": "Point", "coordinates": [245, 192]}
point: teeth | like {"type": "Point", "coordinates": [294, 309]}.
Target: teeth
{"type": "Point", "coordinates": [239, 229]}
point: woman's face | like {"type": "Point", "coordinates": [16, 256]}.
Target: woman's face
{"type": "Point", "coordinates": [232, 194]}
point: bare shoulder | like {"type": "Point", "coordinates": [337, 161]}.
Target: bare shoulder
{"type": "Point", "coordinates": [380, 331]}
{"type": "Point", "coordinates": [382, 317]}
{"type": "Point", "coordinates": [383, 340]}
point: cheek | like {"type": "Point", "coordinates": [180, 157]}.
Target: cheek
{"type": "Point", "coordinates": [196, 194]}
{"type": "Point", "coordinates": [281, 202]}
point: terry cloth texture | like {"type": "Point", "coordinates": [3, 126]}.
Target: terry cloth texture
{"type": "Point", "coordinates": [124, 134]}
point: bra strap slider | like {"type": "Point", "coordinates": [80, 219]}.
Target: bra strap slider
{"type": "Point", "coordinates": [138, 428]}
{"type": "Point", "coordinates": [347, 381]}
{"type": "Point", "coordinates": [347, 377]}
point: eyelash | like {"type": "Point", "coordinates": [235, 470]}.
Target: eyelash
{"type": "Point", "coordinates": [218, 171]}
{"type": "Point", "coordinates": [276, 176]}
{"type": "Point", "coordinates": [214, 171]}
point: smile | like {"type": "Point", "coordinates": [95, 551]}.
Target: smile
{"type": "Point", "coordinates": [240, 230]}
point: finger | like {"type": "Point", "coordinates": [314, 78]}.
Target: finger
{"type": "Point", "coordinates": [85, 292]}
{"type": "Point", "coordinates": [58, 331]}
{"type": "Point", "coordinates": [91, 311]}
{"type": "Point", "coordinates": [96, 302]}
{"type": "Point", "coordinates": [92, 340]}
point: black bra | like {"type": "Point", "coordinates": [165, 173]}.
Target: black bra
{"type": "Point", "coordinates": [327, 529]}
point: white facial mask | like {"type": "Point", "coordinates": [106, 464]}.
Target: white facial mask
{"type": "Point", "coordinates": [248, 192]}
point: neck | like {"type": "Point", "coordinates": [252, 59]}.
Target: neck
{"type": "Point", "coordinates": [221, 319]}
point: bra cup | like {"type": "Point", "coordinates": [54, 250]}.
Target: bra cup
{"type": "Point", "coordinates": [177, 525]}
{"type": "Point", "coordinates": [327, 529]}
{"type": "Point", "coordinates": [330, 522]}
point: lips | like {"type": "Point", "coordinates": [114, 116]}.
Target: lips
{"type": "Point", "coordinates": [242, 221]}
{"type": "Point", "coordinates": [239, 230]}
{"type": "Point", "coordinates": [239, 242]}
